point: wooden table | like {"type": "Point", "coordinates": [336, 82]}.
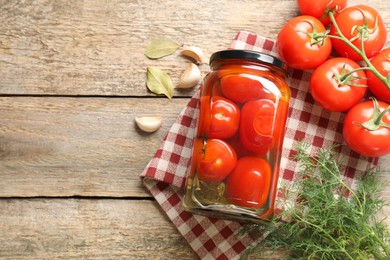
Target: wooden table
{"type": "Point", "coordinates": [72, 80]}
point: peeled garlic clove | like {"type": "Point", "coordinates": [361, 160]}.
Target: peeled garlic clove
{"type": "Point", "coordinates": [195, 53]}
{"type": "Point", "coordinates": [149, 123]}
{"type": "Point", "coordinates": [190, 77]}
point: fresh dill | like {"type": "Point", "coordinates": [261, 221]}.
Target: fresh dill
{"type": "Point", "coordinates": [330, 219]}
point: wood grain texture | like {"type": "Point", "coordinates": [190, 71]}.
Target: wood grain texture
{"type": "Point", "coordinates": [83, 146]}
{"type": "Point", "coordinates": [78, 146]}
{"type": "Point", "coordinates": [72, 80]}
{"type": "Point", "coordinates": [51, 146]}
{"type": "Point", "coordinates": [88, 229]}
{"type": "Point", "coordinates": [96, 47]}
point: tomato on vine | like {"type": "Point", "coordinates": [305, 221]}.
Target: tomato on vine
{"type": "Point", "coordinates": [338, 84]}
{"type": "Point", "coordinates": [320, 8]}
{"type": "Point", "coordinates": [302, 43]}
{"type": "Point", "coordinates": [366, 128]}
{"type": "Point", "coordinates": [218, 159]}
{"type": "Point", "coordinates": [382, 63]}
{"type": "Point", "coordinates": [358, 23]}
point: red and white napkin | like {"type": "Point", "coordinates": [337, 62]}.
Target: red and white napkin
{"type": "Point", "coordinates": [165, 174]}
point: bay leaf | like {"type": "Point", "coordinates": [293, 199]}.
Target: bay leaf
{"type": "Point", "coordinates": [159, 48]}
{"type": "Point", "coordinates": [159, 82]}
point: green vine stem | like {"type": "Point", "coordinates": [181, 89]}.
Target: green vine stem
{"type": "Point", "coordinates": [356, 49]}
{"type": "Point", "coordinates": [375, 122]}
{"type": "Point", "coordinates": [347, 78]}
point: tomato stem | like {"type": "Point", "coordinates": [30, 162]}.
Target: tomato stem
{"type": "Point", "coordinates": [379, 119]}
{"type": "Point", "coordinates": [348, 78]}
{"type": "Point", "coordinates": [316, 38]}
{"type": "Point", "coordinates": [357, 50]}
{"type": "Point", "coordinates": [376, 120]}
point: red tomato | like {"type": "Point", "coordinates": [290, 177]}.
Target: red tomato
{"type": "Point", "coordinates": [225, 118]}
{"type": "Point", "coordinates": [203, 122]}
{"type": "Point", "coordinates": [257, 124]}
{"type": "Point", "coordinates": [319, 8]}
{"type": "Point", "coordinates": [349, 20]}
{"type": "Point", "coordinates": [237, 145]}
{"type": "Point", "coordinates": [242, 89]}
{"type": "Point", "coordinates": [197, 153]}
{"type": "Point", "coordinates": [249, 183]}
{"type": "Point", "coordinates": [217, 161]}
{"type": "Point", "coordinates": [371, 143]}
{"type": "Point", "coordinates": [382, 63]}
{"type": "Point", "coordinates": [332, 90]}
{"type": "Point", "coordinates": [301, 43]}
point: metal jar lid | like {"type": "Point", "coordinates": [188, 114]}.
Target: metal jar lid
{"type": "Point", "coordinates": [248, 55]}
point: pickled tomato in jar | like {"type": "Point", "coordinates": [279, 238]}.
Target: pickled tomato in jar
{"type": "Point", "coordinates": [236, 152]}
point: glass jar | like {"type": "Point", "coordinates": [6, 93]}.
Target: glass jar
{"type": "Point", "coordinates": [237, 149]}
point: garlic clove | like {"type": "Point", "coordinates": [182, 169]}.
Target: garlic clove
{"type": "Point", "coordinates": [149, 123]}
{"type": "Point", "coordinates": [195, 53]}
{"type": "Point", "coordinates": [190, 77]}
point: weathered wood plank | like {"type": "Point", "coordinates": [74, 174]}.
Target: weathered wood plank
{"type": "Point", "coordinates": [88, 229]}
{"type": "Point", "coordinates": [96, 47]}
{"type": "Point", "coordinates": [78, 146]}
{"type": "Point", "coordinates": [81, 146]}
{"type": "Point", "coordinates": [89, 146]}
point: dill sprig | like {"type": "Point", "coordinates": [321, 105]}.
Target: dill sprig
{"type": "Point", "coordinates": [329, 219]}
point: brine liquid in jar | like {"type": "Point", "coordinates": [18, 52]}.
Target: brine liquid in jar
{"type": "Point", "coordinates": [238, 143]}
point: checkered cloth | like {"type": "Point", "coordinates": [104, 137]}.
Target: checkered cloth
{"type": "Point", "coordinates": [165, 174]}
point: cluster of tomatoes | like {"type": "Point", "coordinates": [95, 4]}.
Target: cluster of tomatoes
{"type": "Point", "coordinates": [238, 128]}
{"type": "Point", "coordinates": [340, 82]}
